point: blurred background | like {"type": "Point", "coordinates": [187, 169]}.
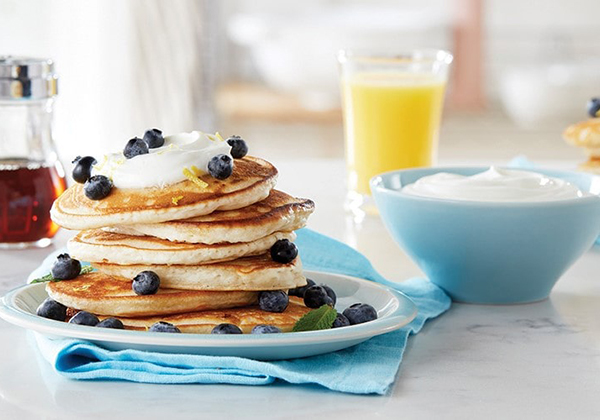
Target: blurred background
{"type": "Point", "coordinates": [267, 69]}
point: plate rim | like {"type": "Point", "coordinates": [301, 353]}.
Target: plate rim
{"type": "Point", "coordinates": [394, 321]}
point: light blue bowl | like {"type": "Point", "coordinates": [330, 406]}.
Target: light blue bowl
{"type": "Point", "coordinates": [482, 252]}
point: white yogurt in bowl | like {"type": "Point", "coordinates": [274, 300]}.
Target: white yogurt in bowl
{"type": "Point", "coordinates": [494, 185]}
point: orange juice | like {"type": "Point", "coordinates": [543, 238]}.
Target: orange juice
{"type": "Point", "coordinates": [391, 121]}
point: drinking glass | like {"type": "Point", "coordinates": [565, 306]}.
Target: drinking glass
{"type": "Point", "coordinates": [392, 110]}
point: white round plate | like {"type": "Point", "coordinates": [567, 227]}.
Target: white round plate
{"type": "Point", "coordinates": [394, 310]}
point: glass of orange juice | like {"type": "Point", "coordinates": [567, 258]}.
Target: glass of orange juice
{"type": "Point", "coordinates": [392, 110]}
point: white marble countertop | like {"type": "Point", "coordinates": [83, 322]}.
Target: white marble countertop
{"type": "Point", "coordinates": [539, 360]}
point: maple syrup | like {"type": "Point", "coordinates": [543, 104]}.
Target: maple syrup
{"type": "Point", "coordinates": [31, 176]}
{"type": "Point", "coordinates": [27, 191]}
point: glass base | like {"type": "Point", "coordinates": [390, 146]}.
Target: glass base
{"type": "Point", "coordinates": [42, 243]}
{"type": "Point", "coordinates": [360, 206]}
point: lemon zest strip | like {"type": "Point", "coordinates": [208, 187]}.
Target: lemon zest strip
{"type": "Point", "coordinates": [194, 178]}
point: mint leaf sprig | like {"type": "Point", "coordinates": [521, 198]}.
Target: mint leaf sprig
{"type": "Point", "coordinates": [48, 277]}
{"type": "Point", "coordinates": [318, 319]}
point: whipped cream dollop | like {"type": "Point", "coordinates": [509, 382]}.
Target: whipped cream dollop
{"type": "Point", "coordinates": [163, 165]}
{"type": "Point", "coordinates": [495, 185]}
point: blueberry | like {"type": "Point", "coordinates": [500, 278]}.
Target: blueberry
{"type": "Point", "coordinates": [51, 309]}
{"type": "Point", "coordinates": [299, 291]}
{"type": "Point", "coordinates": [84, 318]}
{"type": "Point", "coordinates": [111, 323]}
{"type": "Point", "coordinates": [330, 293]}
{"type": "Point", "coordinates": [239, 148]}
{"type": "Point", "coordinates": [164, 327]}
{"type": "Point", "coordinates": [146, 283]}
{"type": "Point", "coordinates": [65, 267]}
{"type": "Point", "coordinates": [273, 301]}
{"type": "Point", "coordinates": [135, 147]}
{"type": "Point", "coordinates": [340, 321]}
{"type": "Point", "coordinates": [593, 107]}
{"type": "Point", "coordinates": [359, 313]}
{"type": "Point", "coordinates": [226, 329]}
{"type": "Point", "coordinates": [220, 167]}
{"type": "Point", "coordinates": [83, 168]}
{"type": "Point", "coordinates": [97, 187]}
{"type": "Point", "coordinates": [283, 251]}
{"type": "Point", "coordinates": [265, 329]}
{"type": "Point", "coordinates": [154, 138]}
{"type": "Point", "coordinates": [316, 296]}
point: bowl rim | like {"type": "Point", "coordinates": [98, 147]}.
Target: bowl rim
{"type": "Point", "coordinates": [376, 184]}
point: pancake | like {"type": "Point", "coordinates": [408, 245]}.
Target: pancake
{"type": "Point", "coordinates": [279, 212]}
{"type": "Point", "coordinates": [245, 318]}
{"type": "Point", "coordinates": [585, 134]}
{"type": "Point", "coordinates": [251, 181]}
{"type": "Point", "coordinates": [100, 246]}
{"type": "Point", "coordinates": [592, 165]}
{"type": "Point", "coordinates": [249, 273]}
{"type": "Point", "coordinates": [103, 295]}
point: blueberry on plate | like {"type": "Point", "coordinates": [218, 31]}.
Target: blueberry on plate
{"type": "Point", "coordinates": [273, 300]}
{"type": "Point", "coordinates": [52, 309]}
{"type": "Point", "coordinates": [359, 313]}
{"type": "Point", "coordinates": [593, 107]}
{"type": "Point", "coordinates": [283, 251]}
{"type": "Point", "coordinates": [226, 329]}
{"type": "Point", "coordinates": [299, 291]}
{"type": "Point", "coordinates": [316, 296]}
{"type": "Point", "coordinates": [82, 171]}
{"type": "Point", "coordinates": [154, 138]}
{"type": "Point", "coordinates": [135, 147]}
{"type": "Point", "coordinates": [330, 293]}
{"type": "Point", "coordinates": [146, 283]}
{"type": "Point", "coordinates": [340, 321]}
{"type": "Point", "coordinates": [220, 167]}
{"type": "Point", "coordinates": [84, 318]}
{"type": "Point", "coordinates": [265, 329]}
{"type": "Point", "coordinates": [239, 148]}
{"type": "Point", "coordinates": [111, 323]}
{"type": "Point", "coordinates": [164, 327]}
{"type": "Point", "coordinates": [65, 267]}
{"type": "Point", "coordinates": [97, 187]}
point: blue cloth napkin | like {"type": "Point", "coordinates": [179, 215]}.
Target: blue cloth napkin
{"type": "Point", "coordinates": [367, 368]}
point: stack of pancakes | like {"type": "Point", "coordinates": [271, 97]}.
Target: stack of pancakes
{"type": "Point", "coordinates": [586, 134]}
{"type": "Point", "coordinates": [210, 246]}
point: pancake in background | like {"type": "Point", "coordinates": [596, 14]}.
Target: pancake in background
{"type": "Point", "coordinates": [278, 212]}
{"type": "Point", "coordinates": [249, 273]}
{"type": "Point", "coordinates": [251, 181]}
{"type": "Point", "coordinates": [100, 246]}
{"type": "Point", "coordinates": [101, 294]}
{"type": "Point", "coordinates": [246, 318]}
{"type": "Point", "coordinates": [586, 134]}
{"type": "Point", "coordinates": [592, 166]}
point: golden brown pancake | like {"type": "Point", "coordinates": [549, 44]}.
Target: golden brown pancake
{"type": "Point", "coordinates": [250, 273]}
{"type": "Point", "coordinates": [279, 212]}
{"type": "Point", "coordinates": [584, 134]}
{"type": "Point", "coordinates": [251, 181]}
{"type": "Point", "coordinates": [246, 318]}
{"type": "Point", "coordinates": [103, 295]}
{"type": "Point", "coordinates": [592, 165]}
{"type": "Point", "coordinates": [99, 246]}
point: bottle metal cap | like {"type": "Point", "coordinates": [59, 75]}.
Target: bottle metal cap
{"type": "Point", "coordinates": [27, 78]}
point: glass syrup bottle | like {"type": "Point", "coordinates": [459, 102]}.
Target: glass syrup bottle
{"type": "Point", "coordinates": [31, 177]}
